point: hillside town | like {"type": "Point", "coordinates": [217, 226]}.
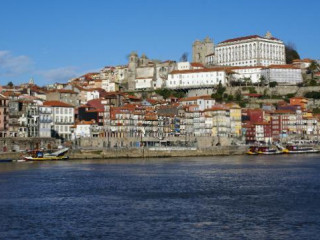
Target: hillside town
{"type": "Point", "coordinates": [239, 91]}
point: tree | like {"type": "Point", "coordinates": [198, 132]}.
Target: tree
{"type": "Point", "coordinates": [220, 88]}
{"type": "Point", "coordinates": [252, 90]}
{"type": "Point", "coordinates": [238, 95]}
{"type": "Point", "coordinates": [179, 94]}
{"type": "Point", "coordinates": [291, 52]}
{"type": "Point", "coordinates": [314, 67]}
{"type": "Point", "coordinates": [219, 95]}
{"type": "Point", "coordinates": [247, 81]}
{"type": "Point", "coordinates": [262, 80]}
{"type": "Point", "coordinates": [165, 93]}
{"type": "Point", "coordinates": [184, 57]}
{"type": "Point", "coordinates": [273, 84]}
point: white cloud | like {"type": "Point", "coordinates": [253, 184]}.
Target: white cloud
{"type": "Point", "coordinates": [11, 66]}
{"type": "Point", "coordinates": [62, 74]}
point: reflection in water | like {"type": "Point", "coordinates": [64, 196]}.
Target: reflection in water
{"type": "Point", "coordinates": [242, 197]}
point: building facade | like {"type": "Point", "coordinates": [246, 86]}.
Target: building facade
{"type": "Point", "coordinates": [62, 119]}
{"type": "Point", "coordinates": [4, 121]}
{"type": "Point", "coordinates": [251, 51]}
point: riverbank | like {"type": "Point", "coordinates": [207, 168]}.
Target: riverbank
{"type": "Point", "coordinates": [145, 153]}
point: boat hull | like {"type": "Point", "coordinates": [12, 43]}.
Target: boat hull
{"type": "Point", "coordinates": [301, 152]}
{"type": "Point", "coordinates": [53, 158]}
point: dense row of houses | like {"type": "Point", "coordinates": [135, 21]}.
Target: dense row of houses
{"type": "Point", "coordinates": [61, 114]}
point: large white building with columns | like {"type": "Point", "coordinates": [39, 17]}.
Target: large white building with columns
{"type": "Point", "coordinates": [251, 51]}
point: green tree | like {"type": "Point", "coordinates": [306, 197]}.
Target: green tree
{"type": "Point", "coordinates": [262, 81]}
{"type": "Point", "coordinates": [179, 94]}
{"type": "Point", "coordinates": [273, 84]}
{"type": "Point", "coordinates": [247, 81]}
{"type": "Point", "coordinates": [252, 90]}
{"type": "Point", "coordinates": [291, 53]}
{"type": "Point", "coordinates": [314, 67]}
{"type": "Point", "coordinates": [165, 93]}
{"type": "Point", "coordinates": [238, 96]}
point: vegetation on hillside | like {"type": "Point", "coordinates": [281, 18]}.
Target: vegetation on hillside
{"type": "Point", "coordinates": [291, 53]}
{"type": "Point", "coordinates": [166, 93]}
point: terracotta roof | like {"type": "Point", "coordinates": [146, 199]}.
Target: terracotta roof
{"type": "Point", "coordinates": [307, 60]}
{"type": "Point", "coordinates": [63, 91]}
{"type": "Point", "coordinates": [206, 97]}
{"type": "Point", "coordinates": [196, 64]}
{"type": "Point", "coordinates": [284, 112]}
{"type": "Point", "coordinates": [246, 38]}
{"type": "Point", "coordinates": [241, 38]}
{"type": "Point", "coordinates": [285, 66]}
{"type": "Point", "coordinates": [56, 104]}
{"type": "Point", "coordinates": [215, 108]}
{"type": "Point", "coordinates": [217, 69]}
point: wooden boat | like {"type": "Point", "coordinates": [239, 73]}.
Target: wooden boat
{"type": "Point", "coordinates": [38, 155]}
{"type": "Point", "coordinates": [253, 150]}
{"type": "Point", "coordinates": [295, 149]}
{"type": "Point", "coordinates": [267, 150]}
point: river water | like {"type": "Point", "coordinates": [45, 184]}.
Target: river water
{"type": "Point", "coordinates": [236, 197]}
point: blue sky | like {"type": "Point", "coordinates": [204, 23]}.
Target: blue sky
{"type": "Point", "coordinates": [55, 40]}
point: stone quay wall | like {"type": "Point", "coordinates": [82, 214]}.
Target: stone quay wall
{"type": "Point", "coordinates": [155, 153]}
{"type": "Point", "coordinates": [22, 144]}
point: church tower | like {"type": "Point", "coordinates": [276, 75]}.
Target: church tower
{"type": "Point", "coordinates": [133, 64]}
{"type": "Point", "coordinates": [200, 49]}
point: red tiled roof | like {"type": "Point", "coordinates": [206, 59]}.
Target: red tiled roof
{"type": "Point", "coordinates": [246, 38]}
{"type": "Point", "coordinates": [196, 64]}
{"type": "Point", "coordinates": [63, 91]}
{"type": "Point", "coordinates": [216, 69]}
{"type": "Point", "coordinates": [215, 108]}
{"type": "Point", "coordinates": [241, 38]}
{"type": "Point", "coordinates": [207, 97]}
{"type": "Point", "coordinates": [285, 66]}
{"type": "Point", "coordinates": [56, 104]}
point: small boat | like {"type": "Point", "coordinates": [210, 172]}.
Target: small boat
{"type": "Point", "coordinates": [38, 155]}
{"type": "Point", "coordinates": [267, 150]}
{"type": "Point", "coordinates": [295, 149]}
{"type": "Point", "coordinates": [5, 160]}
{"type": "Point", "coordinates": [253, 150]}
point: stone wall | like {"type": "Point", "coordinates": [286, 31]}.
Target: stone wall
{"type": "Point", "coordinates": [22, 144]}
{"type": "Point", "coordinates": [279, 90]}
{"type": "Point", "coordinates": [153, 152]}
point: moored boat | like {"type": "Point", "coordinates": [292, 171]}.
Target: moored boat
{"type": "Point", "coordinates": [38, 155]}
{"type": "Point", "coordinates": [268, 150]}
{"type": "Point", "coordinates": [295, 149]}
{"type": "Point", "coordinates": [253, 150]}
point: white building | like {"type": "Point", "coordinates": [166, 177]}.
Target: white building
{"type": "Point", "coordinates": [252, 72]}
{"type": "Point", "coordinates": [251, 51]}
{"type": "Point", "coordinates": [282, 74]}
{"type": "Point", "coordinates": [82, 130]}
{"type": "Point", "coordinates": [196, 78]}
{"type": "Point", "coordinates": [144, 83]}
{"type": "Point", "coordinates": [92, 94]}
{"type": "Point", "coordinates": [62, 118]}
{"type": "Point", "coordinates": [203, 102]}
{"type": "Point", "coordinates": [45, 121]}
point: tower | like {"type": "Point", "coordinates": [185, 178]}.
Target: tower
{"type": "Point", "coordinates": [200, 49]}
{"type": "Point", "coordinates": [133, 64]}
{"type": "Point", "coordinates": [31, 81]}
